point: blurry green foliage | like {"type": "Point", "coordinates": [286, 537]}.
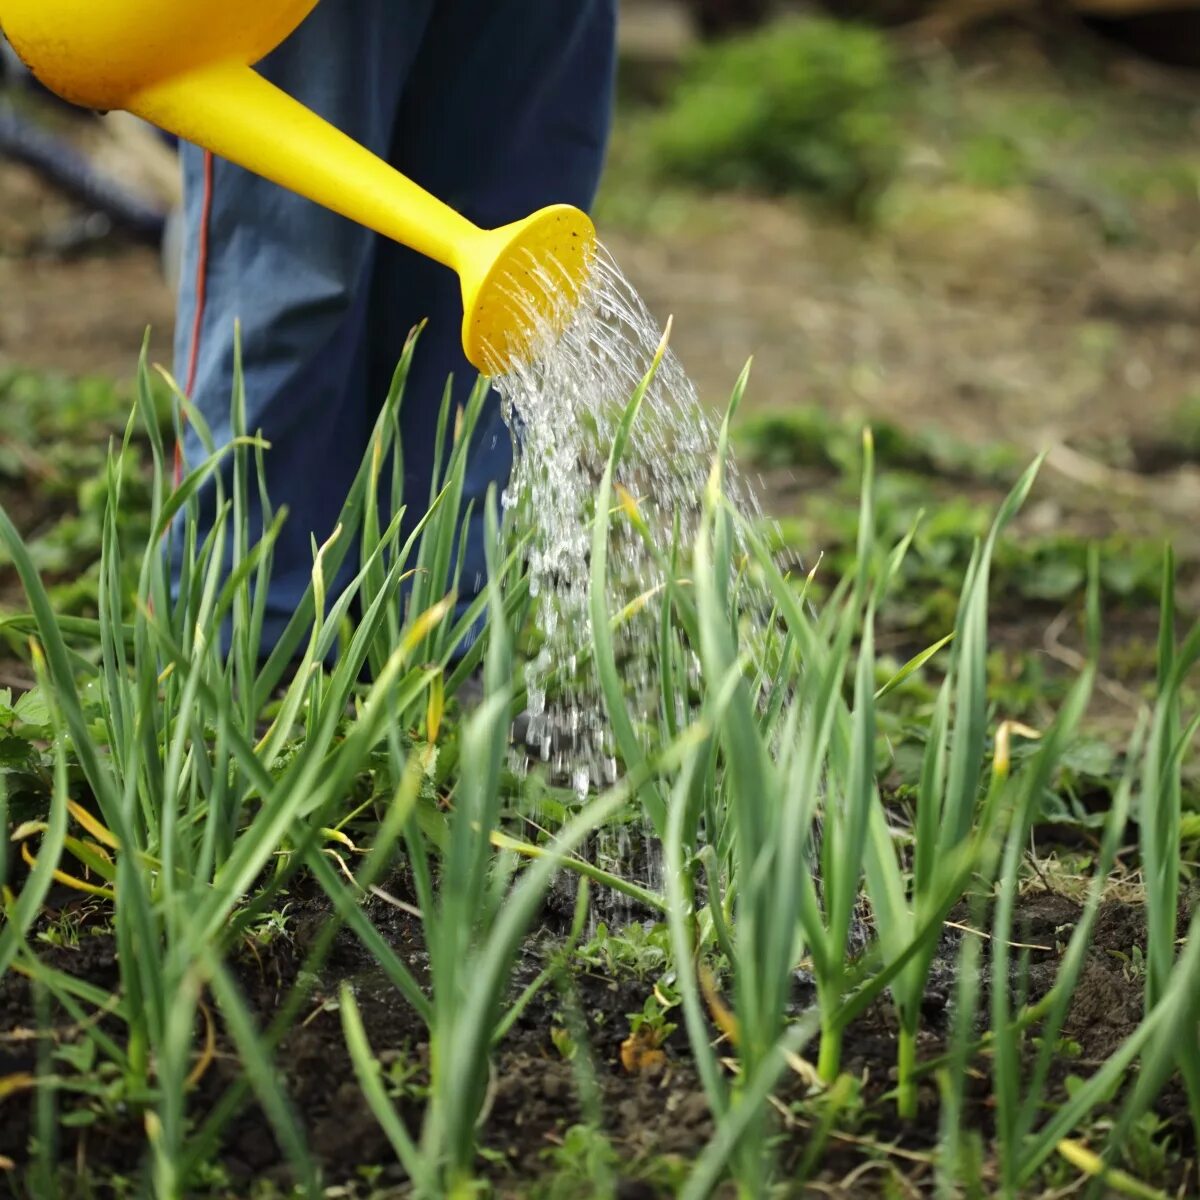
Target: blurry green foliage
{"type": "Point", "coordinates": [811, 436]}
{"type": "Point", "coordinates": [1185, 423]}
{"type": "Point", "coordinates": [912, 492]}
{"type": "Point", "coordinates": [991, 160]}
{"type": "Point", "coordinates": [54, 443]}
{"type": "Point", "coordinates": [803, 104]}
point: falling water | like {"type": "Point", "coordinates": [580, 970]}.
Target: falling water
{"type": "Point", "coordinates": [565, 404]}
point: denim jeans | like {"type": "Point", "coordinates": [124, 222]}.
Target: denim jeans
{"type": "Point", "coordinates": [497, 107]}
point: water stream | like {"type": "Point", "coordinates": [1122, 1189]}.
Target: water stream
{"type": "Point", "coordinates": [564, 406]}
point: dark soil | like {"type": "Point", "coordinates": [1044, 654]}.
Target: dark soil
{"type": "Point", "coordinates": [651, 1118]}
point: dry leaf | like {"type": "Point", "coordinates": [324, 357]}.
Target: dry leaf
{"type": "Point", "coordinates": [641, 1053]}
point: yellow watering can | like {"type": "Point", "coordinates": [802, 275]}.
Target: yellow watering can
{"type": "Point", "coordinates": [186, 66]}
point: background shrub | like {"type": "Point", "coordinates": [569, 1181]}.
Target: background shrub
{"type": "Point", "coordinates": [802, 104]}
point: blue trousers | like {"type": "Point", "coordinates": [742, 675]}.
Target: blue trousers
{"type": "Point", "coordinates": [497, 107]}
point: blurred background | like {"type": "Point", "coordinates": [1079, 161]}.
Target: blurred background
{"type": "Point", "coordinates": [973, 223]}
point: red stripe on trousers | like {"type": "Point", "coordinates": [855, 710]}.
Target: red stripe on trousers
{"type": "Point", "coordinates": [201, 295]}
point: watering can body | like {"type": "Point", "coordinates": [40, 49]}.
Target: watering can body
{"type": "Point", "coordinates": [187, 67]}
{"type": "Point", "coordinates": [101, 55]}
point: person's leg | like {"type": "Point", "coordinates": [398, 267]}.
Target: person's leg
{"type": "Point", "coordinates": [506, 109]}
{"type": "Point", "coordinates": [297, 278]}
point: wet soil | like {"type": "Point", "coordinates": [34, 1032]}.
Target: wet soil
{"type": "Point", "coordinates": [653, 1118]}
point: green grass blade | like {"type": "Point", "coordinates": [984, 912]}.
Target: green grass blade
{"type": "Point", "coordinates": [260, 1071]}
{"type": "Point", "coordinates": [367, 1071]}
{"type": "Point", "coordinates": [626, 738]}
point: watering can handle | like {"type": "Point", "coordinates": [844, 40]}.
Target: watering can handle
{"type": "Point", "coordinates": [233, 111]}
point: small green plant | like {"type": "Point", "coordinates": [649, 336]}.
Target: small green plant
{"type": "Point", "coordinates": [651, 1023]}
{"type": "Point", "coordinates": [404, 1076]}
{"type": "Point", "coordinates": [1150, 1148]}
{"type": "Point", "coordinates": [584, 1166]}
{"type": "Point", "coordinates": [53, 455]}
{"type": "Point", "coordinates": [638, 950]}
{"type": "Point", "coordinates": [1133, 964]}
{"type": "Point", "coordinates": [564, 1042]}
{"type": "Point", "coordinates": [801, 105]}
{"type": "Point", "coordinates": [1185, 423]}
{"type": "Point", "coordinates": [991, 160]}
{"type": "Point", "coordinates": [271, 926]}
{"type": "Point", "coordinates": [72, 924]}
{"type": "Point", "coordinates": [806, 435]}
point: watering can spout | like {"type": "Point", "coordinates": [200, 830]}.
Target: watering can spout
{"type": "Point", "coordinates": [184, 65]}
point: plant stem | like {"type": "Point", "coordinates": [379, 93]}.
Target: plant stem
{"type": "Point", "coordinates": [462, 1186]}
{"type": "Point", "coordinates": [906, 1059]}
{"type": "Point", "coordinates": [651, 900]}
{"type": "Point", "coordinates": [829, 1058]}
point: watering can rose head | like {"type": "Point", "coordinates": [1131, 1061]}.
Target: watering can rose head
{"type": "Point", "coordinates": [522, 283]}
{"type": "Point", "coordinates": [187, 67]}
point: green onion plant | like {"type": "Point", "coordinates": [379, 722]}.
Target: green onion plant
{"type": "Point", "coordinates": [193, 815]}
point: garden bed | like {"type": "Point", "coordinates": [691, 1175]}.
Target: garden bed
{"type": "Point", "coordinates": [653, 1121]}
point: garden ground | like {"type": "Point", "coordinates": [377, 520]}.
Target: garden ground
{"type": "Point", "coordinates": [655, 1119]}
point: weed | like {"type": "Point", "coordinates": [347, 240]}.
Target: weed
{"type": "Point", "coordinates": [88, 918]}
{"type": "Point", "coordinates": [640, 951]}
{"type": "Point", "coordinates": [583, 1165]}
{"type": "Point", "coordinates": [807, 436]}
{"type": "Point", "coordinates": [405, 1078]}
{"type": "Point", "coordinates": [270, 926]}
{"type": "Point", "coordinates": [1133, 964]}
{"type": "Point", "coordinates": [1150, 1148]}
{"type": "Point", "coordinates": [648, 1031]}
